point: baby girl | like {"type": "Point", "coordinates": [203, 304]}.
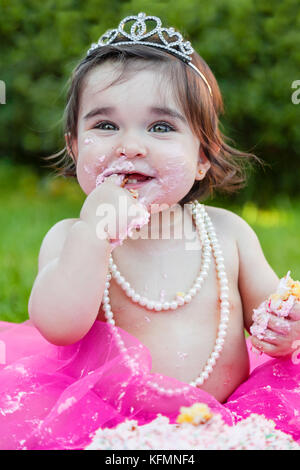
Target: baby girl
{"type": "Point", "coordinates": [142, 130]}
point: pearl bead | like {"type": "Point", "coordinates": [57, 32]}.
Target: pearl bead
{"type": "Point", "coordinates": [158, 307]}
{"type": "Point", "coordinates": [224, 296]}
{"type": "Point", "coordinates": [166, 305]}
{"type": "Point", "coordinates": [222, 275]}
{"type": "Point", "coordinates": [173, 305]}
{"type": "Point", "coordinates": [225, 311]}
{"type": "Point", "coordinates": [211, 361]}
{"type": "Point", "coordinates": [150, 304]}
{"type": "Point", "coordinates": [130, 292]}
{"type": "Point", "coordinates": [136, 297]}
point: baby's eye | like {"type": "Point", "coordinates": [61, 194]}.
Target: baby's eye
{"type": "Point", "coordinates": [106, 126]}
{"type": "Point", "coordinates": [162, 128]}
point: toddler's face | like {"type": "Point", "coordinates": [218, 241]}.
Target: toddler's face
{"type": "Point", "coordinates": [139, 122]}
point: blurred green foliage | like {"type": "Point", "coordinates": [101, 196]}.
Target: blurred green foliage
{"type": "Point", "coordinates": [31, 205]}
{"type": "Point", "coordinates": [252, 46]}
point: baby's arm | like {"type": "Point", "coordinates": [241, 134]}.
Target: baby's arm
{"type": "Point", "coordinates": [67, 291]}
{"type": "Point", "coordinates": [73, 264]}
{"type": "Point", "coordinates": [257, 280]}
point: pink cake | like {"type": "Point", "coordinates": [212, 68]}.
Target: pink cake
{"type": "Point", "coordinates": [197, 429]}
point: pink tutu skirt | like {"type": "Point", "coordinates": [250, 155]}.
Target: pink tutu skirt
{"type": "Point", "coordinates": [56, 397]}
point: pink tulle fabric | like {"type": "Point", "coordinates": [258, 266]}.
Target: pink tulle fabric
{"type": "Point", "coordinates": [56, 397]}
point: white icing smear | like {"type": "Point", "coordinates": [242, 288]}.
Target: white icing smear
{"type": "Point", "coordinates": [88, 140]}
{"type": "Point", "coordinates": [136, 222]}
{"type": "Point", "coordinates": [121, 165]}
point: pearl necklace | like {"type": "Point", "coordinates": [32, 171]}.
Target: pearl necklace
{"type": "Point", "coordinates": [208, 236]}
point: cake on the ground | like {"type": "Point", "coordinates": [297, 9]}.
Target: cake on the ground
{"type": "Point", "coordinates": [196, 429]}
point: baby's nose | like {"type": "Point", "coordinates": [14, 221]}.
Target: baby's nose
{"type": "Point", "coordinates": [131, 150]}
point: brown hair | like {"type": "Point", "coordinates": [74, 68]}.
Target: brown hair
{"type": "Point", "coordinates": [228, 165]}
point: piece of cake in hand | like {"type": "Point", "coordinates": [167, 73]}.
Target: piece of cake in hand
{"type": "Point", "coordinates": [280, 303]}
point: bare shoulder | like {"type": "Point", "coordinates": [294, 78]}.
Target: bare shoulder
{"type": "Point", "coordinates": [53, 241]}
{"type": "Point", "coordinates": [233, 230]}
{"type": "Point", "coordinates": [231, 223]}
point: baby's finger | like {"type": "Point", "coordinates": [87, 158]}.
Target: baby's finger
{"type": "Point", "coordinates": [271, 337]}
{"type": "Point", "coordinates": [294, 313]}
{"type": "Point", "coordinates": [263, 346]}
{"type": "Point", "coordinates": [279, 325]}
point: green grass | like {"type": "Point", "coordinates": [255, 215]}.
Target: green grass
{"type": "Point", "coordinates": [31, 205]}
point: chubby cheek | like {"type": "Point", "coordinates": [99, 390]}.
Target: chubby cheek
{"type": "Point", "coordinates": [176, 178]}
{"type": "Point", "coordinates": [90, 163]}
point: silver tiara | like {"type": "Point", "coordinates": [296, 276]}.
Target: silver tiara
{"type": "Point", "coordinates": [171, 40]}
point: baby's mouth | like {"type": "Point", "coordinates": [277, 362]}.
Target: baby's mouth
{"type": "Point", "coordinates": [135, 180]}
{"type": "Point", "coordinates": [127, 174]}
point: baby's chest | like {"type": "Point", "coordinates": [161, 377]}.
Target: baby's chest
{"type": "Point", "coordinates": [188, 331]}
{"type": "Point", "coordinates": [180, 341]}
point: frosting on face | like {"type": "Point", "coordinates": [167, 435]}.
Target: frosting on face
{"type": "Point", "coordinates": [119, 166]}
{"type": "Point", "coordinates": [88, 140]}
{"type": "Point", "coordinates": [136, 136]}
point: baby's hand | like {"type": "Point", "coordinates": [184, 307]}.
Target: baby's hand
{"type": "Point", "coordinates": [113, 211]}
{"type": "Point", "coordinates": [276, 322]}
{"type": "Point", "coordinates": [281, 336]}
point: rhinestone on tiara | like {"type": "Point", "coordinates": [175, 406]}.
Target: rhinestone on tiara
{"type": "Point", "coordinates": [171, 40]}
